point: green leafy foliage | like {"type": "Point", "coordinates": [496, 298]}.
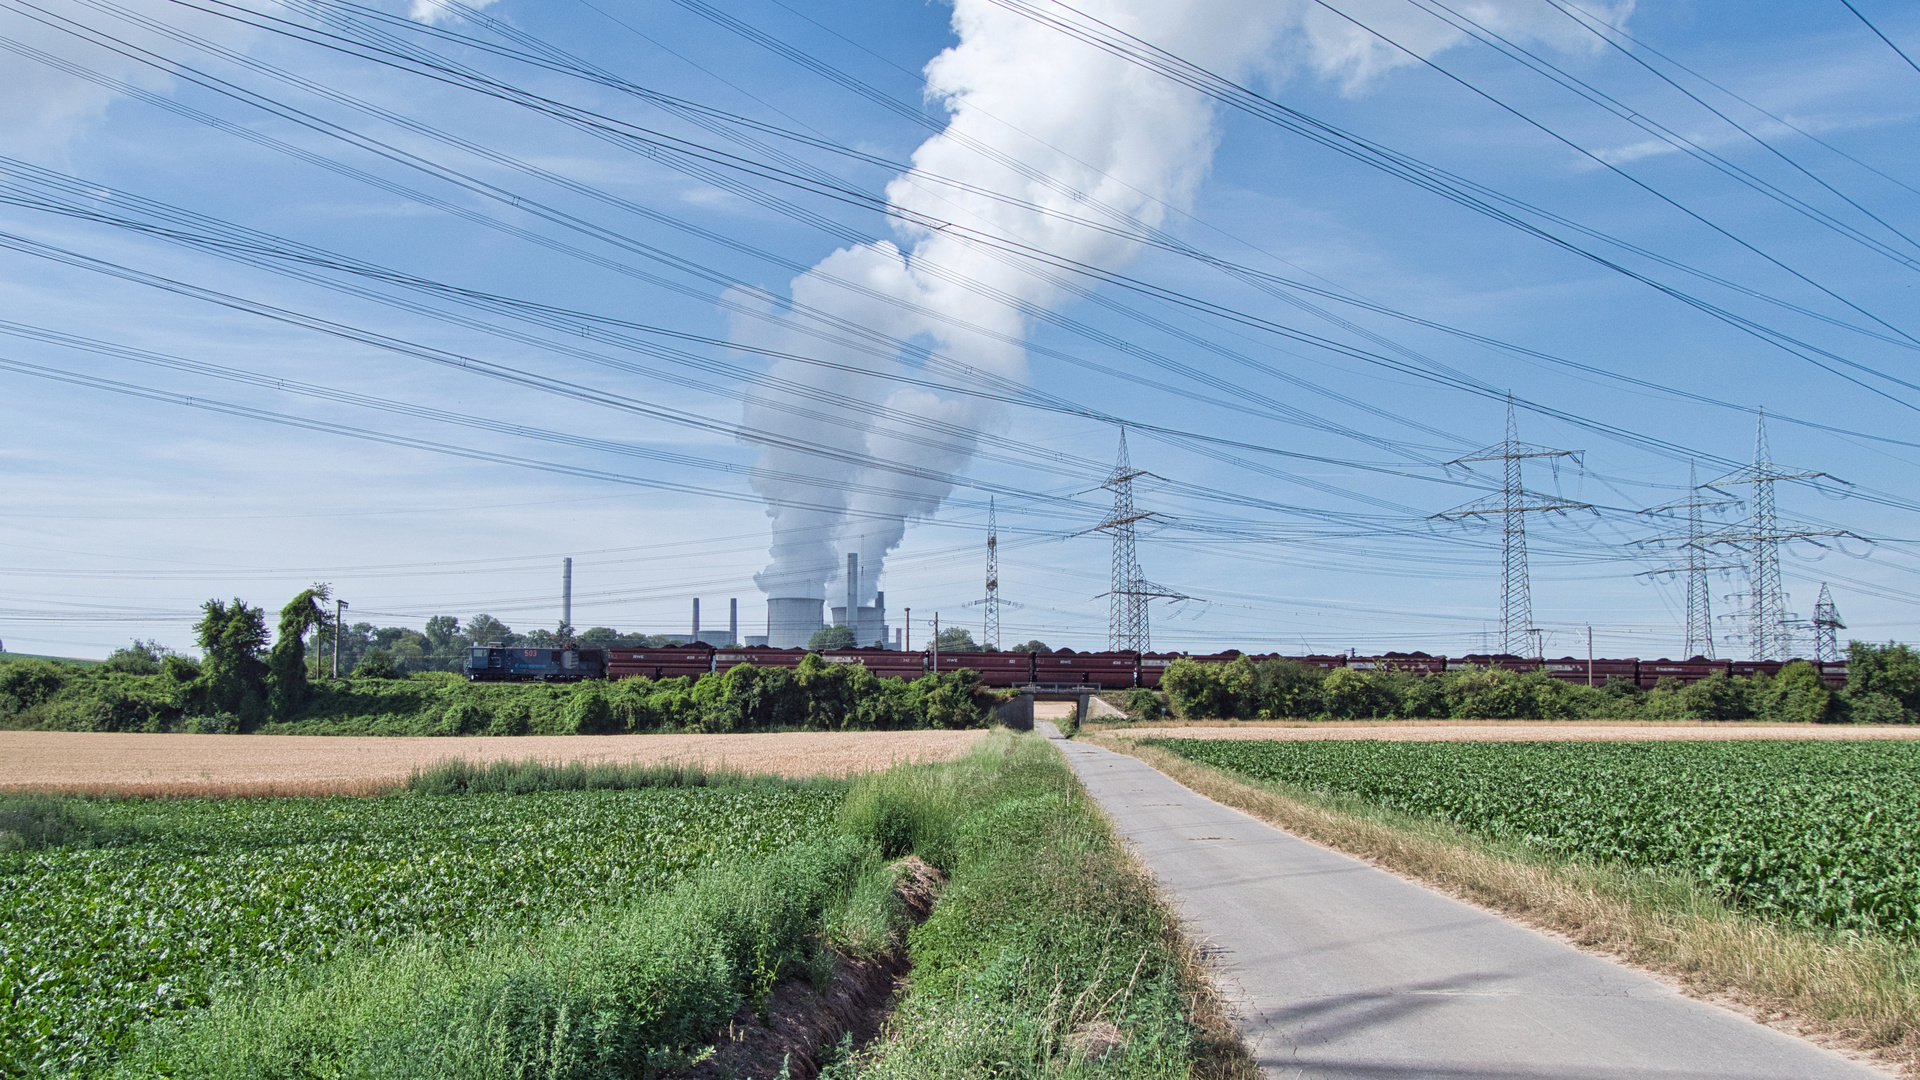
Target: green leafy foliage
{"type": "Point", "coordinates": [1278, 688]}
{"type": "Point", "coordinates": [831, 637]}
{"type": "Point", "coordinates": [287, 686]}
{"type": "Point", "coordinates": [1821, 834]}
{"type": "Point", "coordinates": [956, 639]}
{"type": "Point", "coordinates": [1883, 683]}
{"type": "Point", "coordinates": [233, 675]}
{"type": "Point", "coordinates": [186, 898]}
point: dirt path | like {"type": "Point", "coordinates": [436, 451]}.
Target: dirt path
{"type": "Point", "coordinates": [1500, 730]}
{"type": "Point", "coordinates": [312, 764]}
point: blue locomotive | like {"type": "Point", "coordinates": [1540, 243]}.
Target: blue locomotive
{"type": "Point", "coordinates": [495, 663]}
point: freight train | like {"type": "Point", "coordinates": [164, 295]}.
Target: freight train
{"type": "Point", "coordinates": [1104, 670]}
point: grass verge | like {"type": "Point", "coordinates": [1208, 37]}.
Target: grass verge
{"type": "Point", "coordinates": [1852, 991]}
{"type": "Point", "coordinates": [1050, 954]}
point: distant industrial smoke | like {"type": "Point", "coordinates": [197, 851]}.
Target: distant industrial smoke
{"type": "Point", "coordinates": [1093, 123]}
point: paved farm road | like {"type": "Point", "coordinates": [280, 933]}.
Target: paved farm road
{"type": "Point", "coordinates": [1342, 970]}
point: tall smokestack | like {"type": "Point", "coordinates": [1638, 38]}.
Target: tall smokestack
{"type": "Point", "coordinates": [853, 588]}
{"type": "Point", "coordinates": [696, 618]}
{"type": "Point", "coordinates": [566, 592]}
{"type": "Point", "coordinates": [733, 621]}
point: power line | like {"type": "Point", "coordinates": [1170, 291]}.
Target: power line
{"type": "Point", "coordinates": [1881, 36]}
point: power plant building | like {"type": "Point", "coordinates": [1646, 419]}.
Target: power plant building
{"type": "Point", "coordinates": [793, 620]}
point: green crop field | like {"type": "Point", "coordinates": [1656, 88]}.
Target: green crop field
{"type": "Point", "coordinates": [1820, 834]}
{"type": "Point", "coordinates": [181, 895]}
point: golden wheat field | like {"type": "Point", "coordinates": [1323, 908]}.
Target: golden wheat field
{"type": "Point", "coordinates": [137, 764]}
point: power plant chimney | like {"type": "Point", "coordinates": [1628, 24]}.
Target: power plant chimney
{"type": "Point", "coordinates": [733, 621]}
{"type": "Point", "coordinates": [853, 589]}
{"type": "Point", "coordinates": [696, 618]}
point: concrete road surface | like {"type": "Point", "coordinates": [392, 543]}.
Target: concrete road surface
{"type": "Point", "coordinates": [1338, 969]}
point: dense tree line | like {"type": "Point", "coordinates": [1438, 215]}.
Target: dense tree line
{"type": "Point", "coordinates": [1883, 687]}
{"type": "Point", "coordinates": [238, 683]}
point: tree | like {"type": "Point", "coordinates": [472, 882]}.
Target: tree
{"type": "Point", "coordinates": [602, 637]}
{"type": "Point", "coordinates": [1031, 646]}
{"type": "Point", "coordinates": [443, 633]}
{"type": "Point", "coordinates": [139, 658]}
{"type": "Point", "coordinates": [377, 663]}
{"type": "Point", "coordinates": [287, 686]}
{"type": "Point", "coordinates": [831, 637]}
{"type": "Point", "coordinates": [233, 675]}
{"type": "Point", "coordinates": [487, 630]}
{"type": "Point", "coordinates": [955, 639]}
{"type": "Point", "coordinates": [1883, 683]}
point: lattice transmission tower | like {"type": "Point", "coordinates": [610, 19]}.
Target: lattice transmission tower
{"type": "Point", "coordinates": [1826, 619]}
{"type": "Point", "coordinates": [1512, 505]}
{"type": "Point", "coordinates": [1130, 592]}
{"type": "Point", "coordinates": [990, 632]}
{"type": "Point", "coordinates": [1697, 566]}
{"type": "Point", "coordinates": [1769, 631]}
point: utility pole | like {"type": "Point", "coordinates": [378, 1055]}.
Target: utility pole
{"type": "Point", "coordinates": [1699, 595]}
{"type": "Point", "coordinates": [566, 595]}
{"type": "Point", "coordinates": [1826, 619]}
{"type": "Point", "coordinates": [907, 616]}
{"type": "Point", "coordinates": [1130, 591]}
{"type": "Point", "coordinates": [1589, 655]}
{"type": "Point", "coordinates": [339, 624]}
{"type": "Point", "coordinates": [1769, 635]}
{"type": "Point", "coordinates": [1512, 505]}
{"type": "Point", "coordinates": [990, 632]}
{"type": "Point", "coordinates": [935, 647]}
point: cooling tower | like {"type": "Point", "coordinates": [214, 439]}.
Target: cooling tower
{"type": "Point", "coordinates": [791, 620]}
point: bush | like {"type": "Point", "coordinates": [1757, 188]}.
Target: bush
{"type": "Point", "coordinates": [377, 663]}
{"type": "Point", "coordinates": [1144, 704]}
{"type": "Point", "coordinates": [1883, 683]}
{"type": "Point", "coordinates": [1795, 696]}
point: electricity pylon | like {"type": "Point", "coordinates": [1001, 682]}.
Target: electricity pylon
{"type": "Point", "coordinates": [1826, 619]}
{"type": "Point", "coordinates": [1769, 634]}
{"type": "Point", "coordinates": [1513, 504]}
{"type": "Point", "coordinates": [1699, 597]}
{"type": "Point", "coordinates": [990, 633]}
{"type": "Point", "coordinates": [1130, 592]}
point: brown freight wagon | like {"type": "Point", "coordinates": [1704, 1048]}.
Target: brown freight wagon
{"type": "Point", "coordinates": [1503, 661]}
{"type": "Point", "coordinates": [1416, 663]}
{"type": "Point", "coordinates": [1106, 670]}
{"type": "Point", "coordinates": [1581, 671]}
{"type": "Point", "coordinates": [1687, 671]}
{"type": "Point", "coordinates": [667, 662]}
{"type": "Point", "coordinates": [995, 668]}
{"type": "Point", "coordinates": [725, 660]}
{"type": "Point", "coordinates": [884, 663]}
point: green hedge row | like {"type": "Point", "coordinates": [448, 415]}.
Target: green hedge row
{"type": "Point", "coordinates": [1274, 689]}
{"type": "Point", "coordinates": [815, 696]}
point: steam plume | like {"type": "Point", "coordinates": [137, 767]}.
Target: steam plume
{"type": "Point", "coordinates": [1130, 140]}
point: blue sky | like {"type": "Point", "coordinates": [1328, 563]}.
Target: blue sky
{"type": "Point", "coordinates": [135, 490]}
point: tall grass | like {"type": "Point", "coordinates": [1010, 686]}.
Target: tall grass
{"type": "Point", "coordinates": [34, 820]}
{"type": "Point", "coordinates": [458, 776]}
{"type": "Point", "coordinates": [1049, 954]}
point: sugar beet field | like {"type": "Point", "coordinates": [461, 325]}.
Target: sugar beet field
{"type": "Point", "coordinates": [172, 897]}
{"type": "Point", "coordinates": [1823, 835]}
